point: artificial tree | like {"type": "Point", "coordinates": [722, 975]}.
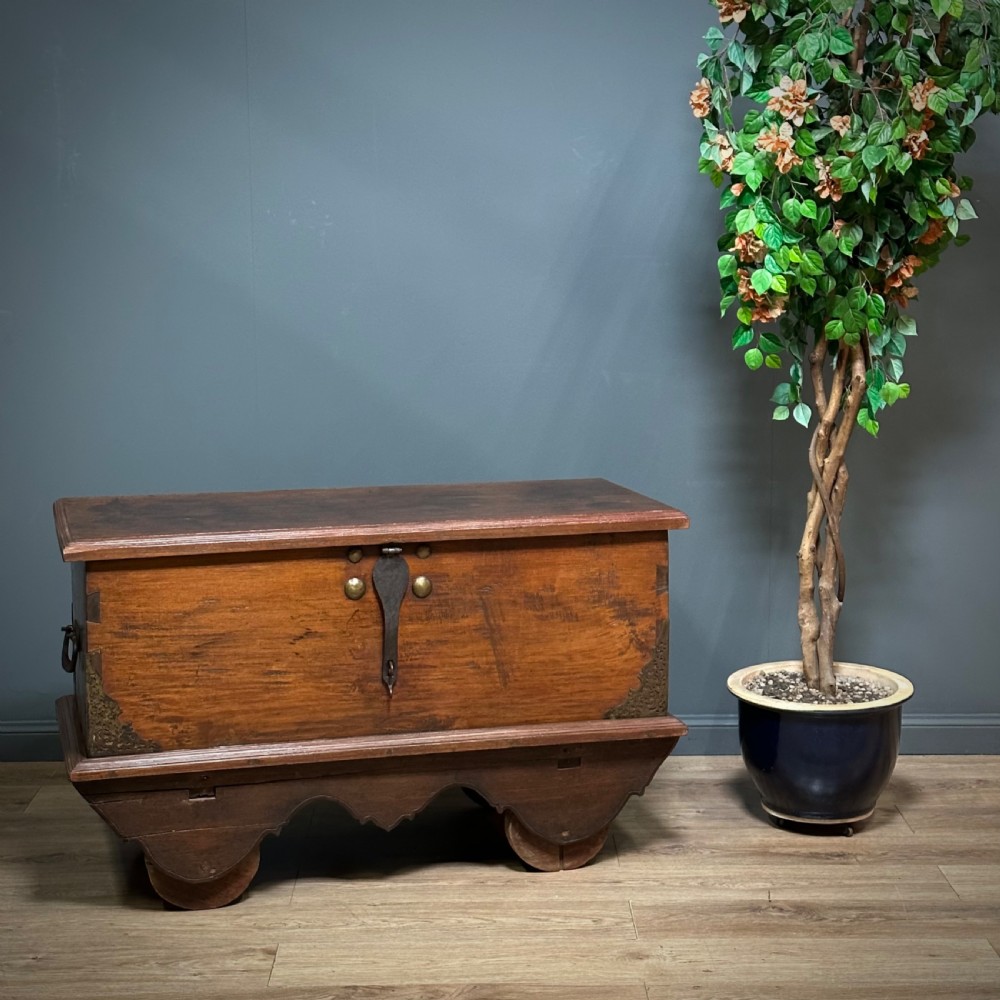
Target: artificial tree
{"type": "Point", "coordinates": [832, 127]}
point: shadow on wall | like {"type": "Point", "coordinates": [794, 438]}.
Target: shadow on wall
{"type": "Point", "coordinates": [932, 449]}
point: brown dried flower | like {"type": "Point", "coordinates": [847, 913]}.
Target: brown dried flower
{"type": "Point", "coordinates": [828, 187]}
{"type": "Point", "coordinates": [701, 99]}
{"type": "Point", "coordinates": [902, 272]}
{"type": "Point", "coordinates": [841, 124]}
{"type": "Point", "coordinates": [767, 311]}
{"type": "Point", "coordinates": [732, 10]}
{"type": "Point", "coordinates": [919, 93]}
{"type": "Point", "coordinates": [917, 144]}
{"type": "Point", "coordinates": [902, 296]}
{"type": "Point", "coordinates": [738, 188]}
{"type": "Point", "coordinates": [726, 152]}
{"type": "Point", "coordinates": [779, 141]}
{"type": "Point", "coordinates": [765, 308]}
{"type": "Point", "coordinates": [935, 230]}
{"type": "Point", "coordinates": [746, 291]}
{"type": "Point", "coordinates": [750, 249]}
{"type": "Point", "coordinates": [789, 100]}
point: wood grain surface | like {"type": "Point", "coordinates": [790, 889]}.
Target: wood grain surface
{"type": "Point", "coordinates": [91, 528]}
{"type": "Point", "coordinates": [693, 895]}
{"type": "Point", "coordinates": [255, 648]}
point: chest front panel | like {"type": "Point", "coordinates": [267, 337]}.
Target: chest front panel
{"type": "Point", "coordinates": [229, 649]}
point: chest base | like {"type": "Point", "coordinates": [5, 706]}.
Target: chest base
{"type": "Point", "coordinates": [200, 816]}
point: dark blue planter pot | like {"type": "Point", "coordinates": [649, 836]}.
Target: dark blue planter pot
{"type": "Point", "coordinates": [824, 764]}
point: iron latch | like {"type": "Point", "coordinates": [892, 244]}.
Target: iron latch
{"type": "Point", "coordinates": [391, 578]}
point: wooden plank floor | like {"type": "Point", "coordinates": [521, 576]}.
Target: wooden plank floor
{"type": "Point", "coordinates": [694, 896]}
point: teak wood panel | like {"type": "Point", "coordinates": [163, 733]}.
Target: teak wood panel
{"type": "Point", "coordinates": [197, 652]}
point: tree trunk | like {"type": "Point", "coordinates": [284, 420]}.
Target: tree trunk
{"type": "Point", "coordinates": [822, 574]}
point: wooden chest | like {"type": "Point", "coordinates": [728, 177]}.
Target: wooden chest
{"type": "Point", "coordinates": [255, 641]}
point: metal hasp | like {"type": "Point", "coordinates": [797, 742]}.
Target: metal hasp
{"type": "Point", "coordinates": [391, 578]}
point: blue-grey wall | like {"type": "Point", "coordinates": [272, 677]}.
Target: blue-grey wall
{"type": "Point", "coordinates": [342, 242]}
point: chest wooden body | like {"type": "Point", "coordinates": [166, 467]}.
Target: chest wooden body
{"type": "Point", "coordinates": [219, 620]}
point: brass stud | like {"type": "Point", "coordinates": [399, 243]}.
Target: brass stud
{"type": "Point", "coordinates": [423, 551]}
{"type": "Point", "coordinates": [354, 555]}
{"type": "Point", "coordinates": [355, 588]}
{"type": "Point", "coordinates": [421, 586]}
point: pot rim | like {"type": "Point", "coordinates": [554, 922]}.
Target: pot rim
{"type": "Point", "coordinates": [903, 688]}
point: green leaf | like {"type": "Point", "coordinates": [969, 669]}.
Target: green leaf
{"type": "Point", "coordinates": [808, 208]}
{"type": "Point", "coordinates": [841, 167]}
{"type": "Point", "coordinates": [841, 42]}
{"type": "Point", "coordinates": [812, 263]}
{"type": "Point", "coordinates": [772, 265]}
{"type": "Point", "coordinates": [725, 303]}
{"type": "Point", "coordinates": [773, 236]}
{"type": "Point", "coordinates": [940, 7]}
{"type": "Point", "coordinates": [890, 393]}
{"type": "Point", "coordinates": [880, 134]}
{"type": "Point", "coordinates": [746, 219]}
{"type": "Point", "coordinates": [764, 211]}
{"type": "Point", "coordinates": [773, 361]}
{"type": "Point", "coordinates": [850, 237]}
{"type": "Point", "coordinates": [760, 280]}
{"type": "Point", "coordinates": [754, 179]}
{"type": "Point", "coordinates": [802, 414]}
{"type": "Point", "coordinates": [807, 284]}
{"type": "Point", "coordinates": [938, 102]}
{"type": "Point", "coordinates": [728, 265]}
{"type": "Point", "coordinates": [813, 45]}
{"type": "Point", "coordinates": [873, 156]}
{"type": "Point", "coordinates": [965, 210]}
{"type": "Point", "coordinates": [742, 336]}
{"type": "Point", "coordinates": [745, 315]}
{"type": "Point", "coordinates": [834, 330]}
{"type": "Point", "coordinates": [907, 60]}
{"type": "Point", "coordinates": [821, 71]}
{"type": "Point", "coordinates": [783, 394]}
{"type": "Point", "coordinates": [780, 413]}
{"type": "Point", "coordinates": [779, 284]}
{"type": "Point", "coordinates": [857, 298]}
{"type": "Point", "coordinates": [753, 358]}
{"type": "Point", "coordinates": [742, 163]}
{"type": "Point", "coordinates": [805, 144]}
{"type": "Point", "coordinates": [866, 420]}
{"type": "Point", "coordinates": [769, 344]}
{"type": "Point", "coordinates": [827, 242]}
{"type": "Point", "coordinates": [907, 326]}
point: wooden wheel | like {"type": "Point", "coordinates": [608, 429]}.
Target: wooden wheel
{"type": "Point", "coordinates": [209, 894]}
{"type": "Point", "coordinates": [546, 856]}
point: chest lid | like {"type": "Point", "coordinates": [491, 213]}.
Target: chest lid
{"type": "Point", "coordinates": [93, 528]}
